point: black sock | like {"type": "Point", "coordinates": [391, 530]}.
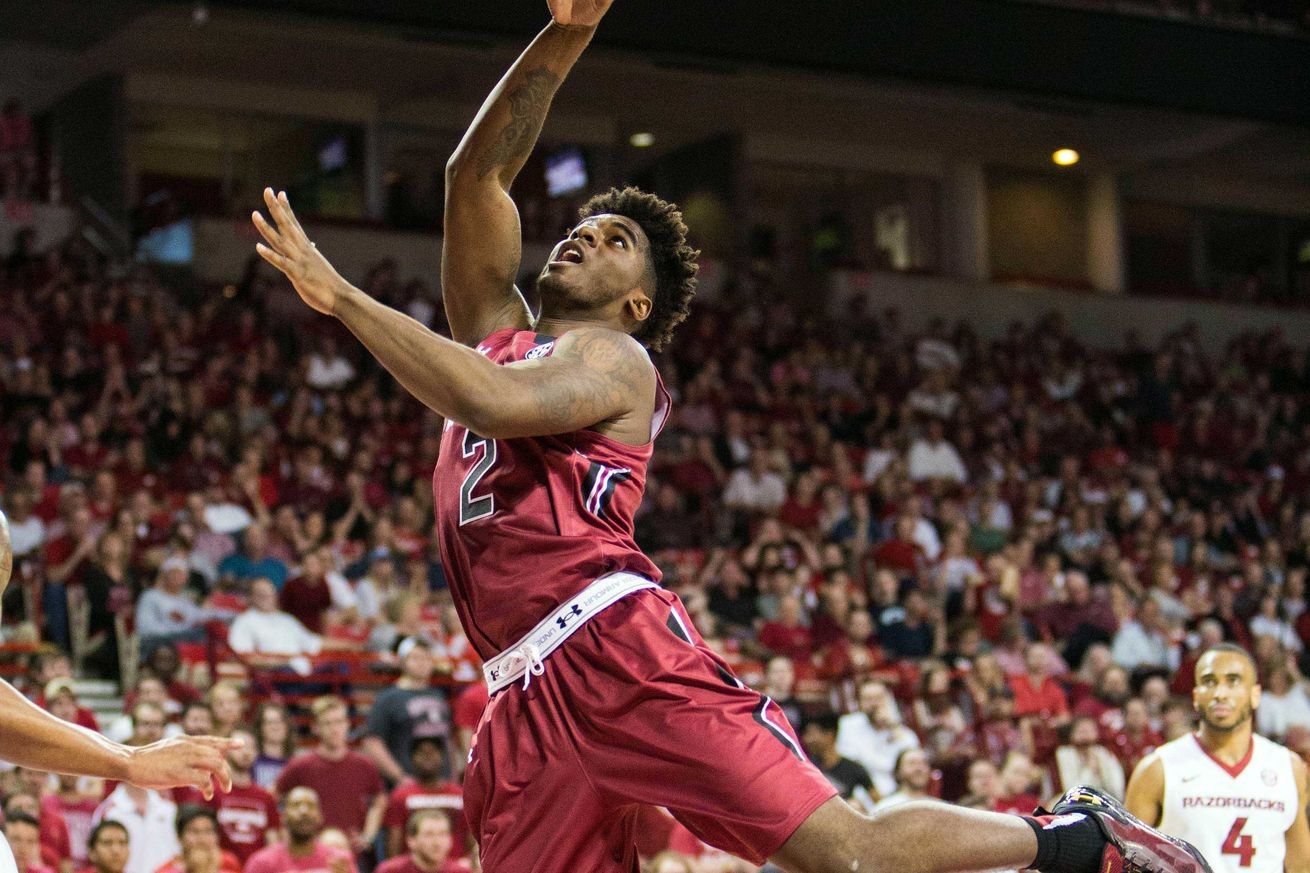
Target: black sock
{"type": "Point", "coordinates": [1075, 847]}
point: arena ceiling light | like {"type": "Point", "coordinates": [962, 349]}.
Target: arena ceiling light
{"type": "Point", "coordinates": [1065, 157]}
{"type": "Point", "coordinates": [642, 140]}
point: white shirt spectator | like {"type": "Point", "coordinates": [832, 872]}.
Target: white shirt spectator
{"type": "Point", "coordinates": [763, 493]}
{"type": "Point", "coordinates": [343, 594]}
{"type": "Point", "coordinates": [328, 373]}
{"type": "Point", "coordinates": [935, 460]}
{"type": "Point", "coordinates": [159, 613]}
{"type": "Point", "coordinates": [151, 834]}
{"type": "Point", "coordinates": [1134, 646]}
{"type": "Point", "coordinates": [875, 748]}
{"type": "Point", "coordinates": [1264, 626]}
{"type": "Point", "coordinates": [1278, 712]}
{"type": "Point", "coordinates": [271, 633]}
{"type": "Point", "coordinates": [26, 536]}
{"type": "Point", "coordinates": [928, 539]}
{"type": "Point", "coordinates": [1099, 768]}
{"type": "Point", "coordinates": [876, 462]}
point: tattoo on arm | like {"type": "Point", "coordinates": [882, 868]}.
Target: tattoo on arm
{"type": "Point", "coordinates": [610, 382]}
{"type": "Point", "coordinates": [528, 102]}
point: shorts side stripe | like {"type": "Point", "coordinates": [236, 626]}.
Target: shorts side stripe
{"type": "Point", "coordinates": [762, 716]}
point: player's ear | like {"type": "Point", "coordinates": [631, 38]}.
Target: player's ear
{"type": "Point", "coordinates": [639, 305]}
{"type": "Point", "coordinates": [1256, 692]}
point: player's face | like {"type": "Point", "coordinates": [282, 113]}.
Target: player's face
{"type": "Point", "coordinates": [1226, 693]}
{"type": "Point", "coordinates": [602, 260]}
{"type": "Point", "coordinates": [432, 842]}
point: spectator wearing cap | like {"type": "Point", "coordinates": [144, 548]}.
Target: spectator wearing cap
{"type": "Point", "coordinates": [427, 789]}
{"type": "Point", "coordinates": [410, 708]}
{"type": "Point", "coordinates": [60, 699]}
{"type": "Point", "coordinates": [166, 614]}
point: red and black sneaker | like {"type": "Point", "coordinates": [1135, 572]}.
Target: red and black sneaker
{"type": "Point", "coordinates": [1131, 845]}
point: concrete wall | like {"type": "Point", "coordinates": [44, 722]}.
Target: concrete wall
{"type": "Point", "coordinates": [1102, 319]}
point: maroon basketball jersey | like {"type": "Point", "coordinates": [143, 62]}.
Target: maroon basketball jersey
{"type": "Point", "coordinates": [526, 523]}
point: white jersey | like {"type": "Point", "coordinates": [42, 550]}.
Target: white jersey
{"type": "Point", "coordinates": [1237, 816]}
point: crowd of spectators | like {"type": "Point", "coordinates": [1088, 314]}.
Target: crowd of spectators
{"type": "Point", "coordinates": [964, 568]}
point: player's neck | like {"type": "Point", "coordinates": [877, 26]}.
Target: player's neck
{"type": "Point", "coordinates": [556, 325]}
{"type": "Point", "coordinates": [1228, 746]}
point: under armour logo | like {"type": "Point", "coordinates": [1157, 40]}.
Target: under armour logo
{"type": "Point", "coordinates": [563, 620]}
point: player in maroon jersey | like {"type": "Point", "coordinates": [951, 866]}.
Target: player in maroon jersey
{"type": "Point", "coordinates": [604, 698]}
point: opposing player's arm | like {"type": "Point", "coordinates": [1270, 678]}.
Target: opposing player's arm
{"type": "Point", "coordinates": [1145, 795]}
{"type": "Point", "coordinates": [33, 738]}
{"type": "Point", "coordinates": [1298, 835]}
{"type": "Point", "coordinates": [482, 243]}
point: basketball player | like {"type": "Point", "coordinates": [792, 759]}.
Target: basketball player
{"type": "Point", "coordinates": [33, 738]}
{"type": "Point", "coordinates": [1238, 797]}
{"type": "Point", "coordinates": [604, 697]}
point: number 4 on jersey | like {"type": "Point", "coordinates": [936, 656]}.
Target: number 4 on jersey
{"type": "Point", "coordinates": [1239, 844]}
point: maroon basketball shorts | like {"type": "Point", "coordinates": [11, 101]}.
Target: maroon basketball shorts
{"type": "Point", "coordinates": [633, 709]}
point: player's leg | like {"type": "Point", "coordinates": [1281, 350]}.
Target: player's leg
{"type": "Point", "coordinates": [920, 837]}
{"type": "Point", "coordinates": [1089, 832]}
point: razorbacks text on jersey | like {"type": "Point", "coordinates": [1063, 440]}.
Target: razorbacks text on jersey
{"type": "Point", "coordinates": [1237, 816]}
{"type": "Point", "coordinates": [526, 523]}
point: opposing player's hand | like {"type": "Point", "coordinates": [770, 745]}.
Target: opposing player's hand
{"type": "Point", "coordinates": [287, 248]}
{"type": "Point", "coordinates": [581, 13]}
{"type": "Point", "coordinates": [6, 554]}
{"type": "Point", "coordinates": [196, 762]}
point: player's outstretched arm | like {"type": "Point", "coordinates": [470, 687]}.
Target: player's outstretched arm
{"type": "Point", "coordinates": [1297, 859]}
{"type": "Point", "coordinates": [482, 243]}
{"type": "Point", "coordinates": [31, 737]}
{"type": "Point", "coordinates": [595, 374]}
{"type": "Point", "coordinates": [1145, 795]}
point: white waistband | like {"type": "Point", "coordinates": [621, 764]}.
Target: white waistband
{"type": "Point", "coordinates": [525, 658]}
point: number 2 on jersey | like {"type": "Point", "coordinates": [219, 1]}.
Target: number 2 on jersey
{"type": "Point", "coordinates": [473, 508]}
{"type": "Point", "coordinates": [1239, 844]}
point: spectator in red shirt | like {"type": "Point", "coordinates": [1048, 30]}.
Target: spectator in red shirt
{"type": "Point", "coordinates": [788, 635]}
{"type": "Point", "coordinates": [1036, 693]}
{"type": "Point", "coordinates": [426, 790]}
{"type": "Point", "coordinates": [248, 817]}
{"type": "Point", "coordinates": [1136, 739]}
{"type": "Point", "coordinates": [1105, 704]}
{"type": "Point", "coordinates": [66, 820]}
{"type": "Point", "coordinates": [24, 836]}
{"type": "Point", "coordinates": [301, 851]}
{"type": "Point", "coordinates": [307, 595]}
{"type": "Point", "coordinates": [348, 782]}
{"type": "Point", "coordinates": [900, 553]}
{"type": "Point", "coordinates": [428, 836]}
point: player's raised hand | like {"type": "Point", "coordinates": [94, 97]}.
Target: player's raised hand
{"type": "Point", "coordinates": [287, 248]}
{"type": "Point", "coordinates": [198, 762]}
{"type": "Point", "coordinates": [581, 13]}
